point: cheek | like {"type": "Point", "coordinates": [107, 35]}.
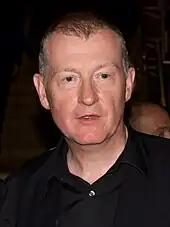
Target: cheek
{"type": "Point", "coordinates": [59, 111]}
{"type": "Point", "coordinates": [114, 103]}
{"type": "Point", "coordinates": [114, 98]}
{"type": "Point", "coordinates": [62, 109]}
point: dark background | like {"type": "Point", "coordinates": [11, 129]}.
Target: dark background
{"type": "Point", "coordinates": [146, 27]}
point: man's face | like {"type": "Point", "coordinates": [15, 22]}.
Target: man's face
{"type": "Point", "coordinates": [86, 87]}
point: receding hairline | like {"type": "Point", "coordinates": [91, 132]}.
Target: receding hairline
{"type": "Point", "coordinates": [81, 37]}
{"type": "Point", "coordinates": [81, 24]}
{"type": "Point", "coordinates": [84, 28]}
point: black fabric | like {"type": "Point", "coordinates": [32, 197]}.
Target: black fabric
{"type": "Point", "coordinates": [77, 207]}
{"type": "Point", "coordinates": [2, 191]}
{"type": "Point", "coordinates": [45, 194]}
{"type": "Point", "coordinates": [80, 209]}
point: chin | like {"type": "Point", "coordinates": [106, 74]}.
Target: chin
{"type": "Point", "coordinates": [89, 140]}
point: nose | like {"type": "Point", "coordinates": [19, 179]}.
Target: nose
{"type": "Point", "coordinates": [88, 94]}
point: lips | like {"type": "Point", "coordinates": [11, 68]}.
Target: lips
{"type": "Point", "coordinates": [89, 116]}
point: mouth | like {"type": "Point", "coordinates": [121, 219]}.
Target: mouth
{"type": "Point", "coordinates": [89, 117]}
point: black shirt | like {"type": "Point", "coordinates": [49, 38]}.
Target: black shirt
{"type": "Point", "coordinates": [37, 196]}
{"type": "Point", "coordinates": [82, 204]}
{"type": "Point", "coordinates": [54, 197]}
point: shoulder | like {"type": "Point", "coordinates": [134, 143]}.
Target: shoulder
{"type": "Point", "coordinates": [38, 164]}
{"type": "Point", "coordinates": [37, 170]}
{"type": "Point", "coordinates": [154, 144]}
{"type": "Point", "coordinates": [24, 180]}
{"type": "Point", "coordinates": [156, 152]}
{"type": "Point", "coordinates": [20, 187]}
{"type": "Point", "coordinates": [31, 166]}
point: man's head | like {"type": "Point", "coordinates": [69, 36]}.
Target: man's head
{"type": "Point", "coordinates": [82, 25]}
{"type": "Point", "coordinates": [85, 78]}
{"type": "Point", "coordinates": [151, 119]}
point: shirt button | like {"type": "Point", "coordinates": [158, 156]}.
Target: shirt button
{"type": "Point", "coordinates": [92, 193]}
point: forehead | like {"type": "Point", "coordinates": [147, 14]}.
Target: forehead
{"type": "Point", "coordinates": [156, 117]}
{"type": "Point", "coordinates": [99, 48]}
{"type": "Point", "coordinates": [157, 113]}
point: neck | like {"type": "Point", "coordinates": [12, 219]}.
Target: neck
{"type": "Point", "coordinates": [91, 162]}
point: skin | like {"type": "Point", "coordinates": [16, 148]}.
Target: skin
{"type": "Point", "coordinates": [87, 78]}
{"type": "Point", "coordinates": [151, 119]}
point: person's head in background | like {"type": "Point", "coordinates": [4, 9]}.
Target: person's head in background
{"type": "Point", "coordinates": [150, 118]}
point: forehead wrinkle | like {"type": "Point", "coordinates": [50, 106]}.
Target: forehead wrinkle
{"type": "Point", "coordinates": [49, 50]}
{"type": "Point", "coordinates": [74, 70]}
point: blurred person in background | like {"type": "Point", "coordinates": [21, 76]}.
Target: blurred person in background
{"type": "Point", "coordinates": [150, 118]}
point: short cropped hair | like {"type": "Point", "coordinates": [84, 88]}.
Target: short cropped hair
{"type": "Point", "coordinates": [81, 25]}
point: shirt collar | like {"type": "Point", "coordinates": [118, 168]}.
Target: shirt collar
{"type": "Point", "coordinates": [134, 152]}
{"type": "Point", "coordinates": [133, 155]}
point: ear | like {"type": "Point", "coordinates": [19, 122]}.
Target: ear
{"type": "Point", "coordinates": [129, 83]}
{"type": "Point", "coordinates": [39, 85]}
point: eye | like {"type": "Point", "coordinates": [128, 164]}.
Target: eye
{"type": "Point", "coordinates": [69, 79]}
{"type": "Point", "coordinates": [104, 75]}
{"type": "Point", "coordinates": [161, 134]}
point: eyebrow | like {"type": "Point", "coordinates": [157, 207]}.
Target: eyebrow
{"type": "Point", "coordinates": [112, 64]}
{"type": "Point", "coordinates": [162, 128]}
{"type": "Point", "coordinates": [70, 69]}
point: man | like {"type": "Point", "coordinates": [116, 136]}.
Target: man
{"type": "Point", "coordinates": [101, 173]}
{"type": "Point", "coordinates": [151, 119]}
